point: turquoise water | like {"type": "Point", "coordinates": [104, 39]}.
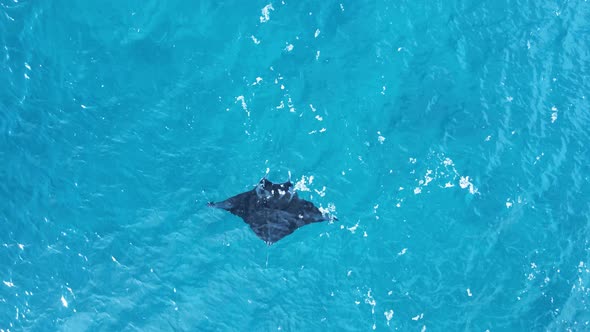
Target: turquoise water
{"type": "Point", "coordinates": [449, 137]}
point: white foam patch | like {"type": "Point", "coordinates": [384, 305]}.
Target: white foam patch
{"type": "Point", "coordinates": [371, 301]}
{"type": "Point", "coordinates": [330, 209]}
{"type": "Point", "coordinates": [388, 315]}
{"type": "Point", "coordinates": [427, 177]}
{"type": "Point", "coordinates": [322, 192]}
{"type": "Point", "coordinates": [258, 80]}
{"type": "Point", "coordinates": [255, 40]}
{"type": "Point", "coordinates": [442, 174]}
{"type": "Point", "coordinates": [464, 183]}
{"type": "Point", "coordinates": [266, 13]}
{"type": "Point", "coordinates": [301, 185]}
{"type": "Point", "coordinates": [243, 102]}
{"type": "Point", "coordinates": [353, 228]}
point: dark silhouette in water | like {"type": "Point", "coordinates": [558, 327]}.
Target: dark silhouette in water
{"type": "Point", "coordinates": [273, 211]}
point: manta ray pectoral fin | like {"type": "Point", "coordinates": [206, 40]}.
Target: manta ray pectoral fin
{"type": "Point", "coordinates": [268, 213]}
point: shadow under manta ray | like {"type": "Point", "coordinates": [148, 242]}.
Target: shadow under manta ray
{"type": "Point", "coordinates": [273, 211]}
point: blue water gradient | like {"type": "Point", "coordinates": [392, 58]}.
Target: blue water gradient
{"type": "Point", "coordinates": [451, 139]}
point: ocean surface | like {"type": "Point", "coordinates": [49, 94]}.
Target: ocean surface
{"type": "Point", "coordinates": [450, 138]}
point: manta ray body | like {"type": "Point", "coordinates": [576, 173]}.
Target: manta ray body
{"type": "Point", "coordinates": [272, 210]}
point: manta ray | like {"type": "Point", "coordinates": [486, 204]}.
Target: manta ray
{"type": "Point", "coordinates": [272, 210]}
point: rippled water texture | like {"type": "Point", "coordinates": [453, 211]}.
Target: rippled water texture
{"type": "Point", "coordinates": [449, 137]}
